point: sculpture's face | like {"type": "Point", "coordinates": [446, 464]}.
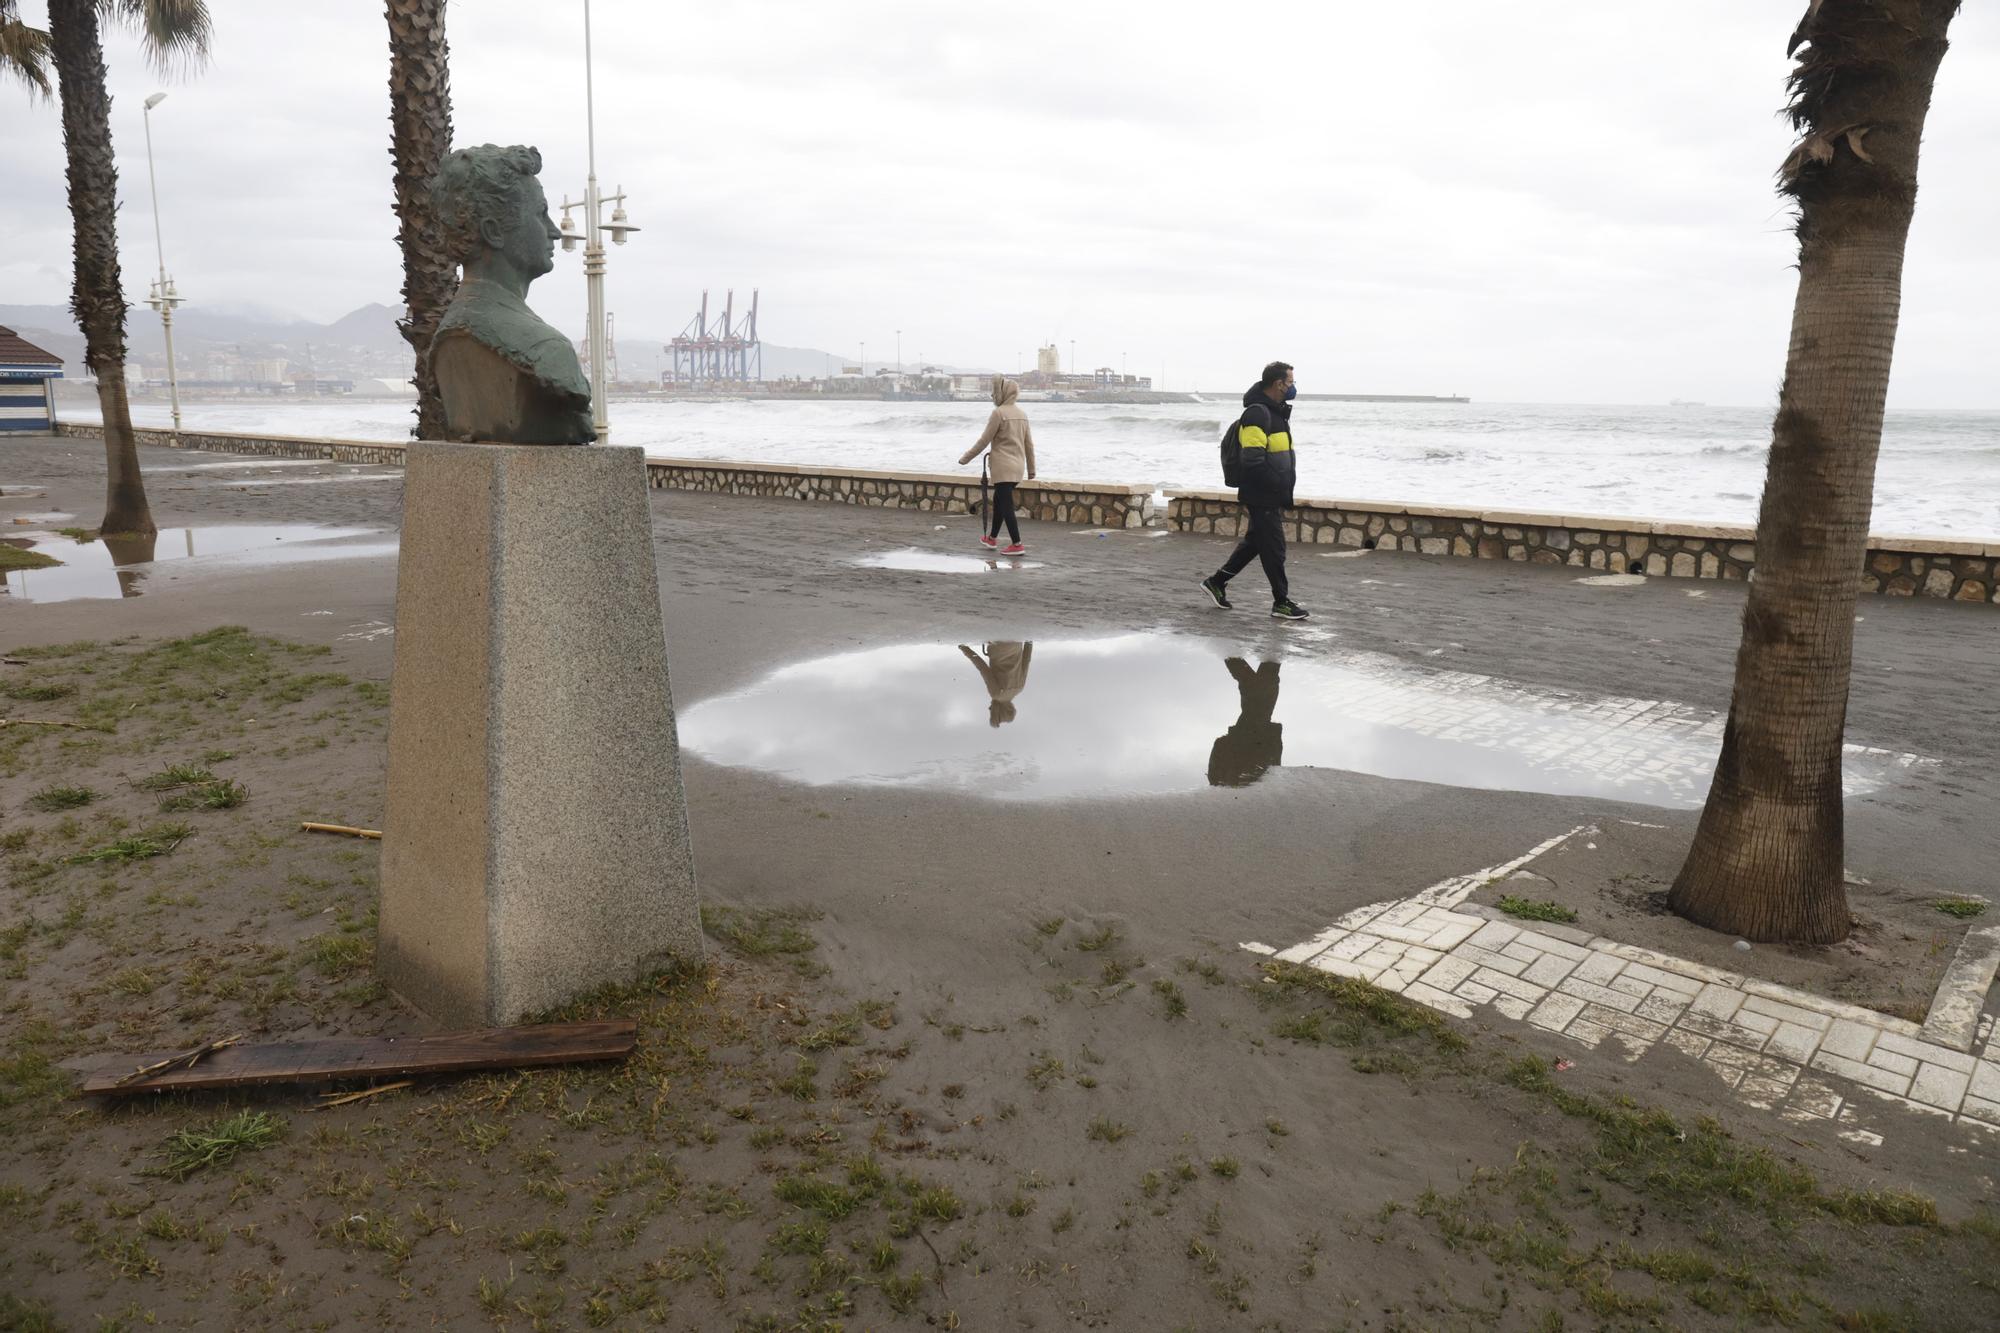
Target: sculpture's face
{"type": "Point", "coordinates": [525, 236]}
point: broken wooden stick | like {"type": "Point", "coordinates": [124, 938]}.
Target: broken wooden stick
{"type": "Point", "coordinates": [331, 1059]}
{"type": "Point", "coordinates": [186, 1059]}
{"type": "Point", "coordinates": [347, 829]}
{"type": "Point", "coordinates": [37, 722]}
{"type": "Point", "coordinates": [329, 1100]}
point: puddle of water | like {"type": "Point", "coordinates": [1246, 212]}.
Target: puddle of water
{"type": "Point", "coordinates": [1149, 715]}
{"type": "Point", "coordinates": [119, 566]}
{"type": "Point", "coordinates": [933, 562]}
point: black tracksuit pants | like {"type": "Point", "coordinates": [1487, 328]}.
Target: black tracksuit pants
{"type": "Point", "coordinates": [1263, 540]}
{"type": "Point", "coordinates": [1003, 511]}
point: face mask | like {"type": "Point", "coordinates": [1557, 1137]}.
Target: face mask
{"type": "Point", "coordinates": [1291, 392]}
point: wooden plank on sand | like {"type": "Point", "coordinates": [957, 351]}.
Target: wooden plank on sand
{"type": "Point", "coordinates": [324, 1059]}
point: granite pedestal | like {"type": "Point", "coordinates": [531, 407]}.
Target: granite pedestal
{"type": "Point", "coordinates": [536, 839]}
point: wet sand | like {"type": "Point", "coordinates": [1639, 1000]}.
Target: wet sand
{"type": "Point", "coordinates": [931, 890]}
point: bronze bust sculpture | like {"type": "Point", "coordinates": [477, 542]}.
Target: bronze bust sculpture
{"type": "Point", "coordinates": [504, 376]}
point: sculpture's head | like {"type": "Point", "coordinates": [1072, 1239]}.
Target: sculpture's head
{"type": "Point", "coordinates": [490, 203]}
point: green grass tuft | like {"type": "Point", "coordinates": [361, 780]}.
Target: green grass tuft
{"type": "Point", "coordinates": [180, 775]}
{"type": "Point", "coordinates": [222, 794]}
{"type": "Point", "coordinates": [155, 841]}
{"type": "Point", "coordinates": [192, 1150]}
{"type": "Point", "coordinates": [1535, 909]}
{"type": "Point", "coordinates": [13, 557]}
{"type": "Point", "coordinates": [52, 799]}
{"type": "Point", "coordinates": [1961, 907]}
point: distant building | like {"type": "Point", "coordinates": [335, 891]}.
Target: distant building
{"type": "Point", "coordinates": [1048, 362]}
{"type": "Point", "coordinates": [26, 373]}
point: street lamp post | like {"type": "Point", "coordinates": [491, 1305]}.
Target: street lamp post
{"type": "Point", "coordinates": [594, 226]}
{"type": "Point", "coordinates": [899, 354]}
{"type": "Point", "coordinates": [163, 297]}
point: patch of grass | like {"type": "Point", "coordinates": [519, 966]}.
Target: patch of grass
{"type": "Point", "coordinates": [1356, 1011]}
{"type": "Point", "coordinates": [13, 557]}
{"type": "Point", "coordinates": [1050, 926]}
{"type": "Point", "coordinates": [192, 1150]}
{"type": "Point", "coordinates": [1045, 1071]}
{"type": "Point", "coordinates": [1101, 938]}
{"type": "Point", "coordinates": [27, 1316]}
{"type": "Point", "coordinates": [61, 797]}
{"type": "Point", "coordinates": [1961, 907]}
{"type": "Point", "coordinates": [179, 775]}
{"type": "Point", "coordinates": [1226, 1167]}
{"type": "Point", "coordinates": [1535, 909]}
{"type": "Point", "coordinates": [222, 794]}
{"type": "Point", "coordinates": [1105, 1130]}
{"type": "Point", "coordinates": [763, 932]}
{"type": "Point", "coordinates": [155, 841]}
{"type": "Point", "coordinates": [40, 692]}
{"type": "Point", "coordinates": [339, 954]}
{"type": "Point", "coordinates": [79, 534]}
{"type": "Point", "coordinates": [1176, 1002]}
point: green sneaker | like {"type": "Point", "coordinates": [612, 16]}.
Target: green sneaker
{"type": "Point", "coordinates": [1214, 590]}
{"type": "Point", "coordinates": [1289, 610]}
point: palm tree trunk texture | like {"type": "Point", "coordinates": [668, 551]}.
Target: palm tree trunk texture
{"type": "Point", "coordinates": [420, 119]}
{"type": "Point", "coordinates": [98, 297]}
{"type": "Point", "coordinates": [1768, 857]}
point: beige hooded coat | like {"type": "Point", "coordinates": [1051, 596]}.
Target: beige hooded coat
{"type": "Point", "coordinates": [1007, 435]}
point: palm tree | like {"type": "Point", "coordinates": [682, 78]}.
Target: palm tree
{"type": "Point", "coordinates": [420, 117]}
{"type": "Point", "coordinates": [174, 32]}
{"type": "Point", "coordinates": [1767, 858]}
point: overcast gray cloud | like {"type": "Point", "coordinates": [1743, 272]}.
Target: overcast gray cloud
{"type": "Point", "coordinates": [1543, 201]}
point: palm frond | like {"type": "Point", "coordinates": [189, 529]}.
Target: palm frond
{"type": "Point", "coordinates": [24, 52]}
{"type": "Point", "coordinates": [176, 32]}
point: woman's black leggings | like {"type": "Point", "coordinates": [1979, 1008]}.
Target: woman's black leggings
{"type": "Point", "coordinates": [1003, 511]}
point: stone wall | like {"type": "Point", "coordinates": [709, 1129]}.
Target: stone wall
{"type": "Point", "coordinates": [1967, 571]}
{"type": "Point", "coordinates": [1091, 503]}
{"type": "Point", "coordinates": [1098, 505]}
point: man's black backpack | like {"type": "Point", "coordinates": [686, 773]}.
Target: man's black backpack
{"type": "Point", "coordinates": [1232, 456]}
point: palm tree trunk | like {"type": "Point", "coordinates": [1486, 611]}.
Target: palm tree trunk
{"type": "Point", "coordinates": [1767, 861]}
{"type": "Point", "coordinates": [420, 119]}
{"type": "Point", "coordinates": [98, 297]}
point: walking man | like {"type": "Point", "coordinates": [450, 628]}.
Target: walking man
{"type": "Point", "coordinates": [1264, 474]}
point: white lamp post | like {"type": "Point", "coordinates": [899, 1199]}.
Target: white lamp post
{"type": "Point", "coordinates": [163, 297]}
{"type": "Point", "coordinates": [594, 225]}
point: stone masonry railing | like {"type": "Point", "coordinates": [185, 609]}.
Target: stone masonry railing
{"type": "Point", "coordinates": [1963, 570]}
{"type": "Point", "coordinates": [1078, 502]}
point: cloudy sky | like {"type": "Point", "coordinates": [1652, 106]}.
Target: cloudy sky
{"type": "Point", "coordinates": [1550, 200]}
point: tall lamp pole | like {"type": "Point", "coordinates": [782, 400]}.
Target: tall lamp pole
{"type": "Point", "coordinates": [163, 297]}
{"type": "Point", "coordinates": [594, 226]}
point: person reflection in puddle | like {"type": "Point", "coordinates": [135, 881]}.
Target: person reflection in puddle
{"type": "Point", "coordinates": [1005, 671]}
{"type": "Point", "coordinates": [1256, 743]}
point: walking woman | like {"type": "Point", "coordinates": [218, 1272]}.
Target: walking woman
{"type": "Point", "coordinates": [1013, 446]}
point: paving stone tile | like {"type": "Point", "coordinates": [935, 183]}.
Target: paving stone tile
{"type": "Point", "coordinates": [1448, 972]}
{"type": "Point", "coordinates": [1938, 1086]}
{"type": "Point", "coordinates": [1451, 936]}
{"type": "Point", "coordinates": [1385, 954]}
{"type": "Point", "coordinates": [1422, 956]}
{"type": "Point", "coordinates": [1865, 1074]}
{"type": "Point", "coordinates": [1548, 972]}
{"type": "Point", "coordinates": [1515, 1009]}
{"type": "Point", "coordinates": [1631, 985]}
{"type": "Point", "coordinates": [1594, 1035]}
{"type": "Point", "coordinates": [1662, 1006]}
{"type": "Point", "coordinates": [1718, 1001]}
{"type": "Point", "coordinates": [1980, 1109]}
{"type": "Point", "coordinates": [1494, 937]}
{"type": "Point", "coordinates": [1584, 990]}
{"type": "Point", "coordinates": [1889, 1060]}
{"type": "Point", "coordinates": [1599, 968]}
{"type": "Point", "coordinates": [1735, 1057]}
{"type": "Point", "coordinates": [1723, 1030]}
{"type": "Point", "coordinates": [1436, 999]}
{"type": "Point", "coordinates": [1567, 934]}
{"type": "Point", "coordinates": [1340, 967]}
{"type": "Point", "coordinates": [1727, 1073]}
{"type": "Point", "coordinates": [1680, 966]}
{"type": "Point", "coordinates": [1685, 985]}
{"type": "Point", "coordinates": [1986, 1081]}
{"type": "Point", "coordinates": [1400, 934]}
{"type": "Point", "coordinates": [1819, 1004]}
{"type": "Point", "coordinates": [1926, 1051]}
{"type": "Point", "coordinates": [1794, 1041]}
{"type": "Point", "coordinates": [1299, 953]}
{"type": "Point", "coordinates": [1688, 1043]}
{"type": "Point", "coordinates": [1388, 980]}
{"type": "Point", "coordinates": [1555, 1012]}
{"type": "Point", "coordinates": [1506, 985]}
{"type": "Point", "coordinates": [1643, 1028]}
{"type": "Point", "coordinates": [1351, 947]}
{"type": "Point", "coordinates": [1756, 1022]}
{"type": "Point", "coordinates": [1513, 967]}
{"type": "Point", "coordinates": [1850, 1039]}
{"type": "Point", "coordinates": [1814, 1100]}
{"type": "Point", "coordinates": [1401, 913]}
{"type": "Point", "coordinates": [1763, 1091]}
{"type": "Point", "coordinates": [1547, 943]}
{"type": "Point", "coordinates": [1786, 1013]}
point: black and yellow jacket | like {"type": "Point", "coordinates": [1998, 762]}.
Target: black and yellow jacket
{"type": "Point", "coordinates": [1264, 435]}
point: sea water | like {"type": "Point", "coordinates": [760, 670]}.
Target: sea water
{"type": "Point", "coordinates": [1939, 471]}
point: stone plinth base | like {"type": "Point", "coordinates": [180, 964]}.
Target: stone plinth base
{"type": "Point", "coordinates": [535, 841]}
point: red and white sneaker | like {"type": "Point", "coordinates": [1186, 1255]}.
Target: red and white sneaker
{"type": "Point", "coordinates": [1016, 549]}
{"type": "Point", "coordinates": [990, 543]}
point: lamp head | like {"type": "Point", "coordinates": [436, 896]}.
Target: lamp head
{"type": "Point", "coordinates": [155, 100]}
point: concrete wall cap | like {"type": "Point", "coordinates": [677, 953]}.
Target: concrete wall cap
{"type": "Point", "coordinates": [1734, 532]}
{"type": "Point", "coordinates": [1621, 523]}
{"type": "Point", "coordinates": [1905, 545]}
{"type": "Point", "coordinates": [1523, 518]}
